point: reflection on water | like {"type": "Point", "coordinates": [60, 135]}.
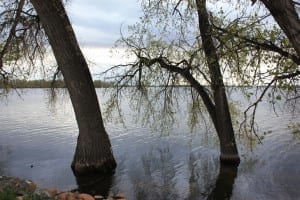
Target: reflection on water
{"type": "Point", "coordinates": [224, 184]}
{"type": "Point", "coordinates": [38, 144]}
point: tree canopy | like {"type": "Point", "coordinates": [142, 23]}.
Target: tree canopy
{"type": "Point", "coordinates": [253, 50]}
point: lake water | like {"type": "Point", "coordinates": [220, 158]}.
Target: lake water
{"type": "Point", "coordinates": [37, 142]}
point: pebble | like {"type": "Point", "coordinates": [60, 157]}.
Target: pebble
{"type": "Point", "coordinates": [119, 196]}
{"type": "Point", "coordinates": [85, 197]}
{"type": "Point", "coordinates": [98, 197]}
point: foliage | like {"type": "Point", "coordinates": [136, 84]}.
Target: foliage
{"type": "Point", "coordinates": [22, 38]}
{"type": "Point", "coordinates": [253, 51]}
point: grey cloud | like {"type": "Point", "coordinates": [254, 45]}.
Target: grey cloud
{"type": "Point", "coordinates": [98, 22]}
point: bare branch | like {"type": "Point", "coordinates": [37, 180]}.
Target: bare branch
{"type": "Point", "coordinates": [259, 99]}
{"type": "Point", "coordinates": [12, 30]}
{"type": "Point", "coordinates": [176, 9]}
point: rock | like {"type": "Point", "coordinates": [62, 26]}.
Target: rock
{"type": "Point", "coordinates": [42, 194]}
{"type": "Point", "coordinates": [85, 197]}
{"type": "Point", "coordinates": [63, 196]}
{"type": "Point", "coordinates": [98, 197]}
{"type": "Point", "coordinates": [31, 186]}
{"type": "Point", "coordinates": [67, 196]}
{"type": "Point", "coordinates": [119, 196]}
{"type": "Point", "coordinates": [52, 191]}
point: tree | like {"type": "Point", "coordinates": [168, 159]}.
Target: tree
{"type": "Point", "coordinates": [261, 52]}
{"type": "Point", "coordinates": [93, 151]}
{"type": "Point", "coordinates": [222, 122]}
{"type": "Point", "coordinates": [285, 14]}
{"type": "Point", "coordinates": [169, 50]}
{"type": "Point", "coordinates": [175, 61]}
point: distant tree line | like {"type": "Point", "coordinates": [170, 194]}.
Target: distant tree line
{"type": "Point", "coordinates": [42, 83]}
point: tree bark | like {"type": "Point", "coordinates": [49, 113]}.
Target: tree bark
{"type": "Point", "coordinates": [287, 18]}
{"type": "Point", "coordinates": [93, 152]}
{"type": "Point", "coordinates": [229, 152]}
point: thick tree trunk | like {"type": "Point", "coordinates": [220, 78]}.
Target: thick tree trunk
{"type": "Point", "coordinates": [93, 151]}
{"type": "Point", "coordinates": [287, 18]}
{"type": "Point", "coordinates": [229, 152]}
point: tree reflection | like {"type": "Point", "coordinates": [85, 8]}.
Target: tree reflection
{"type": "Point", "coordinates": [161, 176]}
{"type": "Point", "coordinates": [224, 184]}
{"type": "Point", "coordinates": [155, 178]}
{"type": "Point", "coordinates": [166, 172]}
{"type": "Point", "coordinates": [203, 171]}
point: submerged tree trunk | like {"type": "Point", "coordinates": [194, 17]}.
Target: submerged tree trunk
{"type": "Point", "coordinates": [93, 151]}
{"type": "Point", "coordinates": [223, 125]}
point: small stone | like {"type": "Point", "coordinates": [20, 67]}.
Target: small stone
{"type": "Point", "coordinates": [19, 198]}
{"type": "Point", "coordinates": [85, 197]}
{"type": "Point", "coordinates": [71, 196]}
{"type": "Point", "coordinates": [16, 182]}
{"type": "Point", "coordinates": [31, 186]}
{"type": "Point", "coordinates": [98, 197]}
{"type": "Point", "coordinates": [42, 193]}
{"type": "Point", "coordinates": [67, 196]}
{"type": "Point", "coordinates": [63, 196]}
{"type": "Point", "coordinates": [119, 196]}
{"type": "Point", "coordinates": [52, 191]}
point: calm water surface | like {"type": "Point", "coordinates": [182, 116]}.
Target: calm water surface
{"type": "Point", "coordinates": [37, 142]}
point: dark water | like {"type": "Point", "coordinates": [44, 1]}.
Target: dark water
{"type": "Point", "coordinates": [37, 142]}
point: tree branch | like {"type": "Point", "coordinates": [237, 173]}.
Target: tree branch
{"type": "Point", "coordinates": [255, 104]}
{"type": "Point", "coordinates": [264, 46]}
{"type": "Point", "coordinates": [166, 64]}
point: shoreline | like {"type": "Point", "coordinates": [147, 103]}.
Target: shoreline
{"type": "Point", "coordinates": [20, 189]}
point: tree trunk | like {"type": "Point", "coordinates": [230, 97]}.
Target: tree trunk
{"type": "Point", "coordinates": [93, 151]}
{"type": "Point", "coordinates": [229, 152]}
{"type": "Point", "coordinates": [287, 18]}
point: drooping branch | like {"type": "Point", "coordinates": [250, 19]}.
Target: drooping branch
{"type": "Point", "coordinates": [184, 72]}
{"type": "Point", "coordinates": [11, 32]}
{"type": "Point", "coordinates": [259, 99]}
{"type": "Point", "coordinates": [268, 45]}
{"type": "Point", "coordinates": [176, 8]}
{"type": "Point", "coordinates": [23, 40]}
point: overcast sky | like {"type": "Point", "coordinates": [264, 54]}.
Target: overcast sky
{"type": "Point", "coordinates": [98, 22]}
{"type": "Point", "coordinates": [97, 26]}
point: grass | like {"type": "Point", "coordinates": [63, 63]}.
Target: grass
{"type": "Point", "coordinates": [8, 194]}
{"type": "Point", "coordinates": [11, 194]}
